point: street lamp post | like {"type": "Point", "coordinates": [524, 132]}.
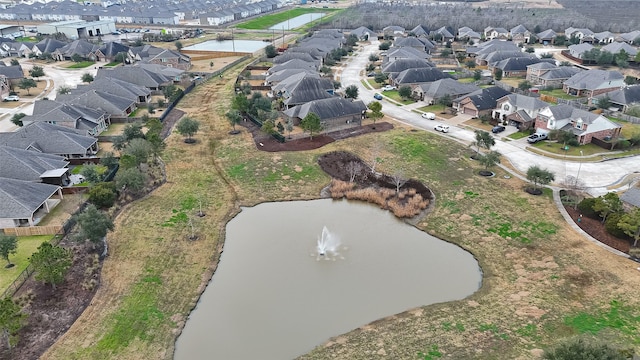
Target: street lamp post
{"type": "Point", "coordinates": [579, 167]}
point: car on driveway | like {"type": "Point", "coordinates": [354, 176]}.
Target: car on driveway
{"type": "Point", "coordinates": [442, 128]}
{"type": "Point", "coordinates": [377, 96]}
{"type": "Point", "coordinates": [536, 137]}
{"type": "Point", "coordinates": [498, 129]}
{"type": "Point", "coordinates": [11, 98]}
{"type": "Point", "coordinates": [388, 88]}
{"type": "Point", "coordinates": [429, 116]}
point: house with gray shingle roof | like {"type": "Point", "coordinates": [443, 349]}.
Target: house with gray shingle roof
{"type": "Point", "coordinates": [109, 51]}
{"type": "Point", "coordinates": [25, 203]}
{"type": "Point", "coordinates": [479, 102]}
{"type": "Point", "coordinates": [419, 44]}
{"type": "Point", "coordinates": [546, 74]}
{"type": "Point", "coordinates": [585, 35]}
{"type": "Point", "coordinates": [605, 37]}
{"type": "Point", "coordinates": [114, 105]}
{"type": "Point", "coordinates": [593, 82]}
{"type": "Point", "coordinates": [80, 47]}
{"type": "Point", "coordinates": [47, 45]}
{"type": "Point", "coordinates": [629, 37]}
{"type": "Point", "coordinates": [136, 93]}
{"type": "Point", "coordinates": [92, 122]}
{"type": "Point", "coordinates": [443, 33]}
{"type": "Point", "coordinates": [293, 64]}
{"type": "Point", "coordinates": [547, 37]}
{"type": "Point", "coordinates": [33, 166]}
{"type": "Point", "coordinates": [335, 113]}
{"type": "Point", "coordinates": [584, 125]}
{"type": "Point", "coordinates": [393, 30]}
{"type": "Point", "coordinates": [394, 67]}
{"type": "Point", "coordinates": [51, 139]}
{"type": "Point", "coordinates": [417, 76]}
{"type": "Point", "coordinates": [283, 58]}
{"type": "Point", "coordinates": [403, 53]}
{"type": "Point", "coordinates": [136, 75]}
{"type": "Point", "coordinates": [617, 47]}
{"type": "Point", "coordinates": [631, 198]}
{"type": "Point", "coordinates": [623, 99]}
{"type": "Point", "coordinates": [364, 33]}
{"type": "Point", "coordinates": [491, 33]}
{"type": "Point", "coordinates": [431, 92]}
{"type": "Point", "coordinates": [518, 110]}
{"type": "Point", "coordinates": [577, 50]}
{"type": "Point", "coordinates": [517, 67]}
{"type": "Point", "coordinates": [465, 33]}
{"type": "Point", "coordinates": [519, 34]}
{"type": "Point", "coordinates": [302, 88]}
{"type": "Point", "coordinates": [420, 31]}
{"type": "Point", "coordinates": [285, 74]}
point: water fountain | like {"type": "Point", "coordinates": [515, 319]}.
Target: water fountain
{"type": "Point", "coordinates": [328, 245]}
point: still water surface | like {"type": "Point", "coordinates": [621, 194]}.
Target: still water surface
{"type": "Point", "coordinates": [271, 299]}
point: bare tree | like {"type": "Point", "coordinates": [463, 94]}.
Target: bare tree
{"type": "Point", "coordinates": [354, 168]}
{"type": "Point", "coordinates": [375, 152]}
{"type": "Point", "coordinates": [399, 180]}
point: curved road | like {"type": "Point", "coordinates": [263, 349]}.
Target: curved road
{"type": "Point", "coordinates": [595, 176]}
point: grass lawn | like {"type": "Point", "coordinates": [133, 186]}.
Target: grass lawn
{"type": "Point", "coordinates": [393, 94]}
{"type": "Point", "coordinates": [518, 135]}
{"type": "Point", "coordinates": [559, 94]}
{"type": "Point", "coordinates": [81, 65]}
{"type": "Point", "coordinates": [265, 22]}
{"type": "Point", "coordinates": [467, 80]}
{"type": "Point", "coordinates": [112, 64]}
{"type": "Point", "coordinates": [541, 284]}
{"type": "Point", "coordinates": [27, 245]}
{"type": "Point", "coordinates": [557, 148]}
{"type": "Point", "coordinates": [477, 124]}
{"type": "Point", "coordinates": [373, 83]}
{"type": "Point", "coordinates": [436, 109]}
{"type": "Point", "coordinates": [629, 129]}
{"type": "Point", "coordinates": [114, 129]}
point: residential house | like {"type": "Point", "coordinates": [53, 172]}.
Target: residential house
{"type": "Point", "coordinates": [421, 44]}
{"type": "Point", "coordinates": [491, 33]}
{"type": "Point", "coordinates": [403, 53]}
{"type": "Point", "coordinates": [25, 203]}
{"type": "Point", "coordinates": [585, 35]}
{"type": "Point", "coordinates": [416, 76]}
{"type": "Point", "coordinates": [281, 75]}
{"type": "Point", "coordinates": [51, 139]}
{"type": "Point", "coordinates": [577, 50]}
{"type": "Point", "coordinates": [518, 110]}
{"type": "Point", "coordinates": [520, 35]}
{"type": "Point", "coordinates": [138, 94]}
{"type": "Point", "coordinates": [486, 59]}
{"type": "Point", "coordinates": [11, 75]}
{"type": "Point", "coordinates": [420, 31]}
{"type": "Point", "coordinates": [547, 37]}
{"type": "Point", "coordinates": [517, 67]}
{"type": "Point", "coordinates": [109, 51]}
{"type": "Point", "coordinates": [216, 18]}
{"type": "Point", "coordinates": [618, 47]}
{"type": "Point", "coordinates": [605, 37]}
{"type": "Point", "coordinates": [431, 92]}
{"type": "Point", "coordinates": [306, 57]}
{"type": "Point", "coordinates": [468, 35]}
{"type": "Point", "coordinates": [480, 102]}
{"type": "Point", "coordinates": [364, 33]}
{"type": "Point", "coordinates": [583, 124]}
{"type": "Point", "coordinates": [485, 48]}
{"type": "Point", "coordinates": [46, 46]}
{"type": "Point", "coordinates": [33, 166]}
{"type": "Point", "coordinates": [397, 66]}
{"type": "Point", "coordinates": [631, 198]}
{"type": "Point", "coordinates": [393, 31]}
{"type": "Point", "coordinates": [114, 105]}
{"type": "Point", "coordinates": [302, 88]}
{"type": "Point", "coordinates": [335, 113]}
{"type": "Point", "coordinates": [442, 34]}
{"type": "Point", "coordinates": [629, 37]}
{"type": "Point", "coordinates": [173, 74]}
{"type": "Point", "coordinates": [545, 74]}
{"type": "Point", "coordinates": [622, 99]}
{"type": "Point", "coordinates": [81, 47]}
{"type": "Point", "coordinates": [155, 55]}
{"type": "Point", "coordinates": [136, 75]}
{"type": "Point", "coordinates": [593, 82]}
{"type": "Point", "coordinates": [89, 120]}
{"type": "Point", "coordinates": [293, 64]}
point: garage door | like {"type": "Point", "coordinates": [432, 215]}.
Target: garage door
{"type": "Point", "coordinates": [469, 111]}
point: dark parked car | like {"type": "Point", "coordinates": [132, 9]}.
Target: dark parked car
{"type": "Point", "coordinates": [377, 96]}
{"type": "Point", "coordinates": [497, 129]}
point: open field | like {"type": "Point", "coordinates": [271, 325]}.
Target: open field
{"type": "Point", "coordinates": [541, 283]}
{"type": "Point", "coordinates": [266, 21]}
{"type": "Point", "coordinates": [27, 245]}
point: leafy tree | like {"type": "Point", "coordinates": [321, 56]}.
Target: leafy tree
{"type": "Point", "coordinates": [525, 85]}
{"type": "Point", "coordinates": [76, 58]}
{"type": "Point", "coordinates": [530, 50]}
{"type": "Point", "coordinates": [539, 176]}
{"type": "Point", "coordinates": [36, 72]}
{"type": "Point", "coordinates": [489, 159]}
{"type": "Point", "coordinates": [11, 321]}
{"type": "Point", "coordinates": [630, 224]}
{"type": "Point", "coordinates": [17, 118]}
{"type": "Point", "coordinates": [351, 92]}
{"type": "Point", "coordinates": [373, 58]}
{"type": "Point", "coordinates": [280, 127]}
{"type": "Point", "coordinates": [581, 350]}
{"type": "Point", "coordinates": [604, 102]}
{"type": "Point", "coordinates": [605, 58]}
{"type": "Point", "coordinates": [385, 45]}
{"type": "Point", "coordinates": [133, 131]}
{"type": "Point", "coordinates": [103, 195]}
{"type": "Point", "coordinates": [637, 58]}
{"type": "Point", "coordinates": [234, 117]}
{"type": "Point", "coordinates": [271, 51]}
{"type": "Point", "coordinates": [178, 45]}
{"type": "Point", "coordinates": [93, 224]}
{"type": "Point", "coordinates": [546, 56]}
{"type": "Point", "coordinates": [109, 160]}
{"type": "Point", "coordinates": [91, 174]}
{"type": "Point", "coordinates": [51, 263]}
{"type": "Point", "coordinates": [120, 57]}
{"type": "Point", "coordinates": [240, 103]}
{"type": "Point", "coordinates": [8, 246]}
{"type": "Point", "coordinates": [630, 80]}
{"type": "Point", "coordinates": [483, 140]}
{"type": "Point", "coordinates": [259, 104]}
{"type": "Point", "coordinates": [336, 85]}
{"type": "Point", "coordinates": [268, 127]}
{"type": "Point", "coordinates": [139, 149]}
{"type": "Point", "coordinates": [63, 90]}
{"type": "Point", "coordinates": [311, 124]}
{"type": "Point", "coordinates": [376, 111]}
{"type": "Point", "coordinates": [405, 91]}
{"type": "Point", "coordinates": [188, 127]}
{"type": "Point", "coordinates": [498, 74]}
{"type": "Point", "coordinates": [130, 180]}
{"type": "Point", "coordinates": [470, 64]}
{"type": "Point", "coordinates": [169, 91]}
{"type": "Point", "coordinates": [27, 84]}
{"type": "Point", "coordinates": [15, 62]}
{"type": "Point", "coordinates": [157, 143]}
{"type": "Point", "coordinates": [87, 78]}
{"type": "Point", "coordinates": [607, 204]}
{"type": "Point", "coordinates": [477, 75]}
{"type": "Point", "coordinates": [444, 101]}
{"type": "Point", "coordinates": [446, 52]}
{"type": "Point", "coordinates": [380, 78]}
{"type": "Point", "coordinates": [289, 126]}
{"type": "Point", "coordinates": [326, 70]}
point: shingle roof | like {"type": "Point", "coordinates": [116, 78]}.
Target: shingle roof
{"type": "Point", "coordinates": [80, 47]}
{"type": "Point", "coordinates": [519, 63]}
{"type": "Point", "coordinates": [451, 87]}
{"type": "Point", "coordinates": [405, 53]}
{"type": "Point", "coordinates": [134, 74]}
{"type": "Point", "coordinates": [330, 108]}
{"type": "Point", "coordinates": [27, 165]}
{"type": "Point", "coordinates": [20, 199]}
{"type": "Point", "coordinates": [616, 47]}
{"type": "Point", "coordinates": [361, 31]}
{"type": "Point", "coordinates": [404, 64]}
{"type": "Point", "coordinates": [625, 96]}
{"type": "Point", "coordinates": [420, 75]}
{"type": "Point", "coordinates": [631, 196]}
{"type": "Point", "coordinates": [287, 73]}
{"type": "Point", "coordinates": [525, 102]}
{"type": "Point", "coordinates": [49, 45]}
{"type": "Point", "coordinates": [280, 59]}
{"type": "Point", "coordinates": [293, 64]}
{"type": "Point", "coordinates": [519, 29]}
{"type": "Point", "coordinates": [562, 72]}
{"type": "Point", "coordinates": [485, 99]}
{"type": "Point", "coordinates": [592, 79]}
{"type": "Point", "coordinates": [12, 72]}
{"type": "Point", "coordinates": [302, 88]}
{"type": "Point", "coordinates": [48, 138]}
{"type": "Point", "coordinates": [99, 100]}
{"type": "Point", "coordinates": [547, 34]}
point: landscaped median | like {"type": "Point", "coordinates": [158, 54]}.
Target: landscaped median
{"type": "Point", "coordinates": [542, 281]}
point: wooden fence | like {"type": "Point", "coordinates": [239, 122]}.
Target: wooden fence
{"type": "Point", "coordinates": [33, 230]}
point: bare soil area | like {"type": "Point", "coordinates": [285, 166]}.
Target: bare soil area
{"type": "Point", "coordinates": [596, 229]}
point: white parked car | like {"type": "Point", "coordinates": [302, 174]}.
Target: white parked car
{"type": "Point", "coordinates": [12, 98]}
{"type": "Point", "coordinates": [388, 88]}
{"type": "Point", "coordinates": [442, 128]}
{"type": "Point", "coordinates": [429, 116]}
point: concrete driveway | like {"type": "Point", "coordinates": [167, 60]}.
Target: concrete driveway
{"type": "Point", "coordinates": [595, 176]}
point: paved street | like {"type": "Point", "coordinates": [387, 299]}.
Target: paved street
{"type": "Point", "coordinates": [596, 176]}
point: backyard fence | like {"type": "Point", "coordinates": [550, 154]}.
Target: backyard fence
{"type": "Point", "coordinates": [33, 230]}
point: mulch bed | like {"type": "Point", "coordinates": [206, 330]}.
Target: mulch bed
{"type": "Point", "coordinates": [268, 143]}
{"type": "Point", "coordinates": [595, 228]}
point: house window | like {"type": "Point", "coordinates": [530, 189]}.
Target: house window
{"type": "Point", "coordinates": [505, 107]}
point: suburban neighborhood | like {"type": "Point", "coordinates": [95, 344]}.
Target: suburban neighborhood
{"type": "Point", "coordinates": [136, 136]}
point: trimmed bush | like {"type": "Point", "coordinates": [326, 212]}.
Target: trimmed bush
{"type": "Point", "coordinates": [103, 195]}
{"type": "Point", "coordinates": [611, 225]}
{"type": "Point", "coordinates": [586, 208]}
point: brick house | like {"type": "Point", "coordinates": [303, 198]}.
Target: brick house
{"type": "Point", "coordinates": [583, 124]}
{"type": "Point", "coordinates": [594, 82]}
{"type": "Point", "coordinates": [545, 74]}
{"type": "Point", "coordinates": [518, 110]}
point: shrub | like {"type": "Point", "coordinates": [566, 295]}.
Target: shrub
{"type": "Point", "coordinates": [611, 225]}
{"type": "Point", "coordinates": [623, 144]}
{"type": "Point", "coordinates": [103, 195]}
{"type": "Point", "coordinates": [586, 208]}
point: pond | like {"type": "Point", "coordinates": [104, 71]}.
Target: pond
{"type": "Point", "coordinates": [274, 297]}
{"type": "Point", "coordinates": [297, 21]}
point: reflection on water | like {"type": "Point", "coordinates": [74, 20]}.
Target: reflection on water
{"type": "Point", "coordinates": [269, 299]}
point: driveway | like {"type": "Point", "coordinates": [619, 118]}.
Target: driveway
{"type": "Point", "coordinates": [596, 176]}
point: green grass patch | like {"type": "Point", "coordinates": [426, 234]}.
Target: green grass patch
{"type": "Point", "coordinates": [393, 94]}
{"type": "Point", "coordinates": [432, 108]}
{"type": "Point", "coordinates": [628, 129]}
{"type": "Point", "coordinates": [265, 22]}
{"type": "Point", "coordinates": [180, 215]}
{"type": "Point", "coordinates": [26, 39]}
{"type": "Point", "coordinates": [373, 83]}
{"type": "Point", "coordinates": [619, 317]}
{"type": "Point", "coordinates": [27, 245]}
{"type": "Point", "coordinates": [112, 64]}
{"type": "Point", "coordinates": [80, 65]}
{"type": "Point", "coordinates": [559, 94]}
{"type": "Point", "coordinates": [113, 129]}
{"type": "Point", "coordinates": [467, 80]}
{"type": "Point", "coordinates": [100, 168]}
{"type": "Point", "coordinates": [518, 135]}
{"type": "Point", "coordinates": [134, 113]}
{"type": "Point", "coordinates": [558, 148]}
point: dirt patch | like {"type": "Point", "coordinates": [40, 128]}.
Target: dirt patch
{"type": "Point", "coordinates": [596, 229]}
{"type": "Point", "coordinates": [268, 143]}
{"type": "Point", "coordinates": [52, 312]}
